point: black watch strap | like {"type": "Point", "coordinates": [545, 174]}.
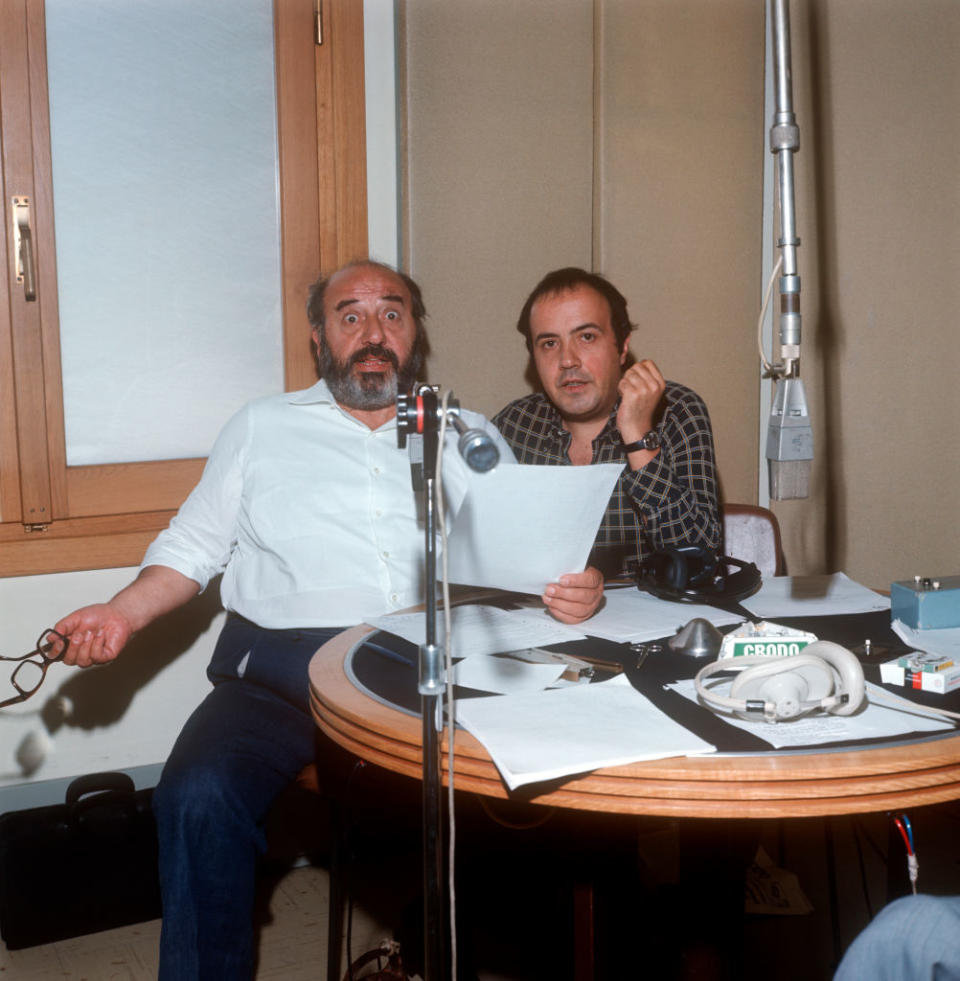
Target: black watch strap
{"type": "Point", "coordinates": [649, 442]}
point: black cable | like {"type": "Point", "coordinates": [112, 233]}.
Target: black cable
{"type": "Point", "coordinates": [863, 869]}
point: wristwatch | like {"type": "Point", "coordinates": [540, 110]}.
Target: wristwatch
{"type": "Point", "coordinates": [649, 442]}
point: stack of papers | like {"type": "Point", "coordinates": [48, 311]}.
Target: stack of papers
{"type": "Point", "coordinates": [479, 633]}
{"type": "Point", "coordinates": [545, 735]}
{"type": "Point", "coordinates": [631, 616]}
{"type": "Point", "coordinates": [874, 722]}
{"type": "Point", "coordinates": [813, 596]}
{"type": "Point", "coordinates": [945, 640]}
{"type": "Point", "coordinates": [479, 629]}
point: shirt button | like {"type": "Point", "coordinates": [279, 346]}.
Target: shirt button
{"type": "Point", "coordinates": [385, 554]}
{"type": "Point", "coordinates": [394, 598]}
{"type": "Point", "coordinates": [378, 513]}
{"type": "Point", "coordinates": [376, 470]}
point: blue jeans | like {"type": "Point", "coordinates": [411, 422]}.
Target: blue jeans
{"type": "Point", "coordinates": [242, 746]}
{"type": "Point", "coordinates": [915, 938]}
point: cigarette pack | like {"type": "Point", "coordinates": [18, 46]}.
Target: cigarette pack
{"type": "Point", "coordinates": [923, 677]}
{"type": "Point", "coordinates": [924, 661]}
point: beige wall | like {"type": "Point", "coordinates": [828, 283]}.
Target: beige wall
{"type": "Point", "coordinates": [679, 200]}
{"type": "Point", "coordinates": [500, 137]}
{"type": "Point", "coordinates": [516, 164]}
{"type": "Point", "coordinates": [877, 84]}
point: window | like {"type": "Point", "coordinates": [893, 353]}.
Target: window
{"type": "Point", "coordinates": [63, 510]}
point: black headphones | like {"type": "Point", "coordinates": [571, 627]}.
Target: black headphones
{"type": "Point", "coordinates": [696, 575]}
{"type": "Point", "coordinates": [823, 675]}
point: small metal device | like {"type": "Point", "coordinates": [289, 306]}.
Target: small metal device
{"type": "Point", "coordinates": [699, 638]}
{"type": "Point", "coordinates": [869, 649]}
{"type": "Point", "coordinates": [643, 651]}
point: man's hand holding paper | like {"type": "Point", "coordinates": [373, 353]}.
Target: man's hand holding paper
{"type": "Point", "coordinates": [576, 596]}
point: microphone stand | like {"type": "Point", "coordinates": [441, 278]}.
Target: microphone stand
{"type": "Point", "coordinates": [422, 417]}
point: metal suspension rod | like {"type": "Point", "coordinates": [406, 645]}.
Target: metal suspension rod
{"type": "Point", "coordinates": [784, 143]}
{"type": "Point", "coordinates": [789, 435]}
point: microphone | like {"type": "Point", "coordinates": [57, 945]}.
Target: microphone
{"type": "Point", "coordinates": [420, 414]}
{"type": "Point", "coordinates": [789, 442]}
{"type": "Point", "coordinates": [476, 446]}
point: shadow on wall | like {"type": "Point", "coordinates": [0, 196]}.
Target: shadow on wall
{"type": "Point", "coordinates": [100, 696]}
{"type": "Point", "coordinates": [828, 332]}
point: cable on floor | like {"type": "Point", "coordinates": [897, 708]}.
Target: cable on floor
{"type": "Point", "coordinates": [906, 833]}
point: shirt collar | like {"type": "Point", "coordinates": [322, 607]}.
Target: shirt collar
{"type": "Point", "coordinates": [561, 431]}
{"type": "Point", "coordinates": [320, 394]}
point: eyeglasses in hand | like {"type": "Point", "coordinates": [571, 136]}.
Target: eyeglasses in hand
{"type": "Point", "coordinates": [29, 673]}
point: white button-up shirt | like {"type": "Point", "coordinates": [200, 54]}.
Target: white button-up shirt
{"type": "Point", "coordinates": [309, 514]}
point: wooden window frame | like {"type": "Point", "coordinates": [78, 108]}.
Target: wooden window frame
{"type": "Point", "coordinates": [56, 518]}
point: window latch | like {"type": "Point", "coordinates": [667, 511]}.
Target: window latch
{"type": "Point", "coordinates": [23, 247]}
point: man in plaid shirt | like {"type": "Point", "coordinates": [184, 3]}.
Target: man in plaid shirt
{"type": "Point", "coordinates": [598, 406]}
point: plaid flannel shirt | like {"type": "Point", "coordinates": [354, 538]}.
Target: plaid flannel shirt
{"type": "Point", "coordinates": [669, 502]}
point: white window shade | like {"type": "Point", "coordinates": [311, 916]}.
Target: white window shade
{"type": "Point", "coordinates": [165, 174]}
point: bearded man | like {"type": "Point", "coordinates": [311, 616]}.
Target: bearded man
{"type": "Point", "coordinates": [306, 507]}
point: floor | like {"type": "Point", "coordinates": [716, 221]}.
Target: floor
{"type": "Point", "coordinates": [523, 932]}
{"type": "Point", "coordinates": [292, 941]}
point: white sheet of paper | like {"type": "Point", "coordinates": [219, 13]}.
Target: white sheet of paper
{"type": "Point", "coordinates": [504, 675]}
{"type": "Point", "coordinates": [811, 596]}
{"type": "Point", "coordinates": [522, 527]}
{"type": "Point", "coordinates": [629, 615]}
{"type": "Point", "coordinates": [945, 640]}
{"type": "Point", "coordinates": [874, 721]}
{"type": "Point", "coordinates": [479, 629]}
{"type": "Point", "coordinates": [544, 735]}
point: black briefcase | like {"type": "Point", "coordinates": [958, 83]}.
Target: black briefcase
{"type": "Point", "coordinates": [86, 865]}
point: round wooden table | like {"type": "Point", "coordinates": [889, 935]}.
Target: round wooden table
{"type": "Point", "coordinates": [757, 785]}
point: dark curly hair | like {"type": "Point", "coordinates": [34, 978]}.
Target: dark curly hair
{"type": "Point", "coordinates": [569, 278]}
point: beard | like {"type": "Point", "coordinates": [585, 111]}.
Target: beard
{"type": "Point", "coordinates": [369, 390]}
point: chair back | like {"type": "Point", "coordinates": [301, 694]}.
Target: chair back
{"type": "Point", "coordinates": [752, 533]}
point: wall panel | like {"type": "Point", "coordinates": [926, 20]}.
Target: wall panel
{"type": "Point", "coordinates": [498, 174]}
{"type": "Point", "coordinates": [877, 85]}
{"type": "Point", "coordinates": [681, 146]}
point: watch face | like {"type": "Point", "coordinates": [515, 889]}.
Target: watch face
{"type": "Point", "coordinates": [649, 442]}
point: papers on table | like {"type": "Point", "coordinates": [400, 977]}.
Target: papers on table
{"type": "Point", "coordinates": [942, 641]}
{"type": "Point", "coordinates": [874, 722]}
{"type": "Point", "coordinates": [481, 629]}
{"type": "Point", "coordinates": [811, 596]}
{"type": "Point", "coordinates": [629, 615]}
{"type": "Point", "coordinates": [544, 735]}
{"type": "Point", "coordinates": [521, 528]}
{"type": "Point", "coordinates": [505, 675]}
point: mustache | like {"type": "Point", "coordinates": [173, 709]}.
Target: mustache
{"type": "Point", "coordinates": [375, 351]}
{"type": "Point", "coordinates": [571, 376]}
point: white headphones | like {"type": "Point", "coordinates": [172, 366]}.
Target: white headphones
{"type": "Point", "coordinates": [823, 675]}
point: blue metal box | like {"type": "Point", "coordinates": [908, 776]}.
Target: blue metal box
{"type": "Point", "coordinates": [926, 603]}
